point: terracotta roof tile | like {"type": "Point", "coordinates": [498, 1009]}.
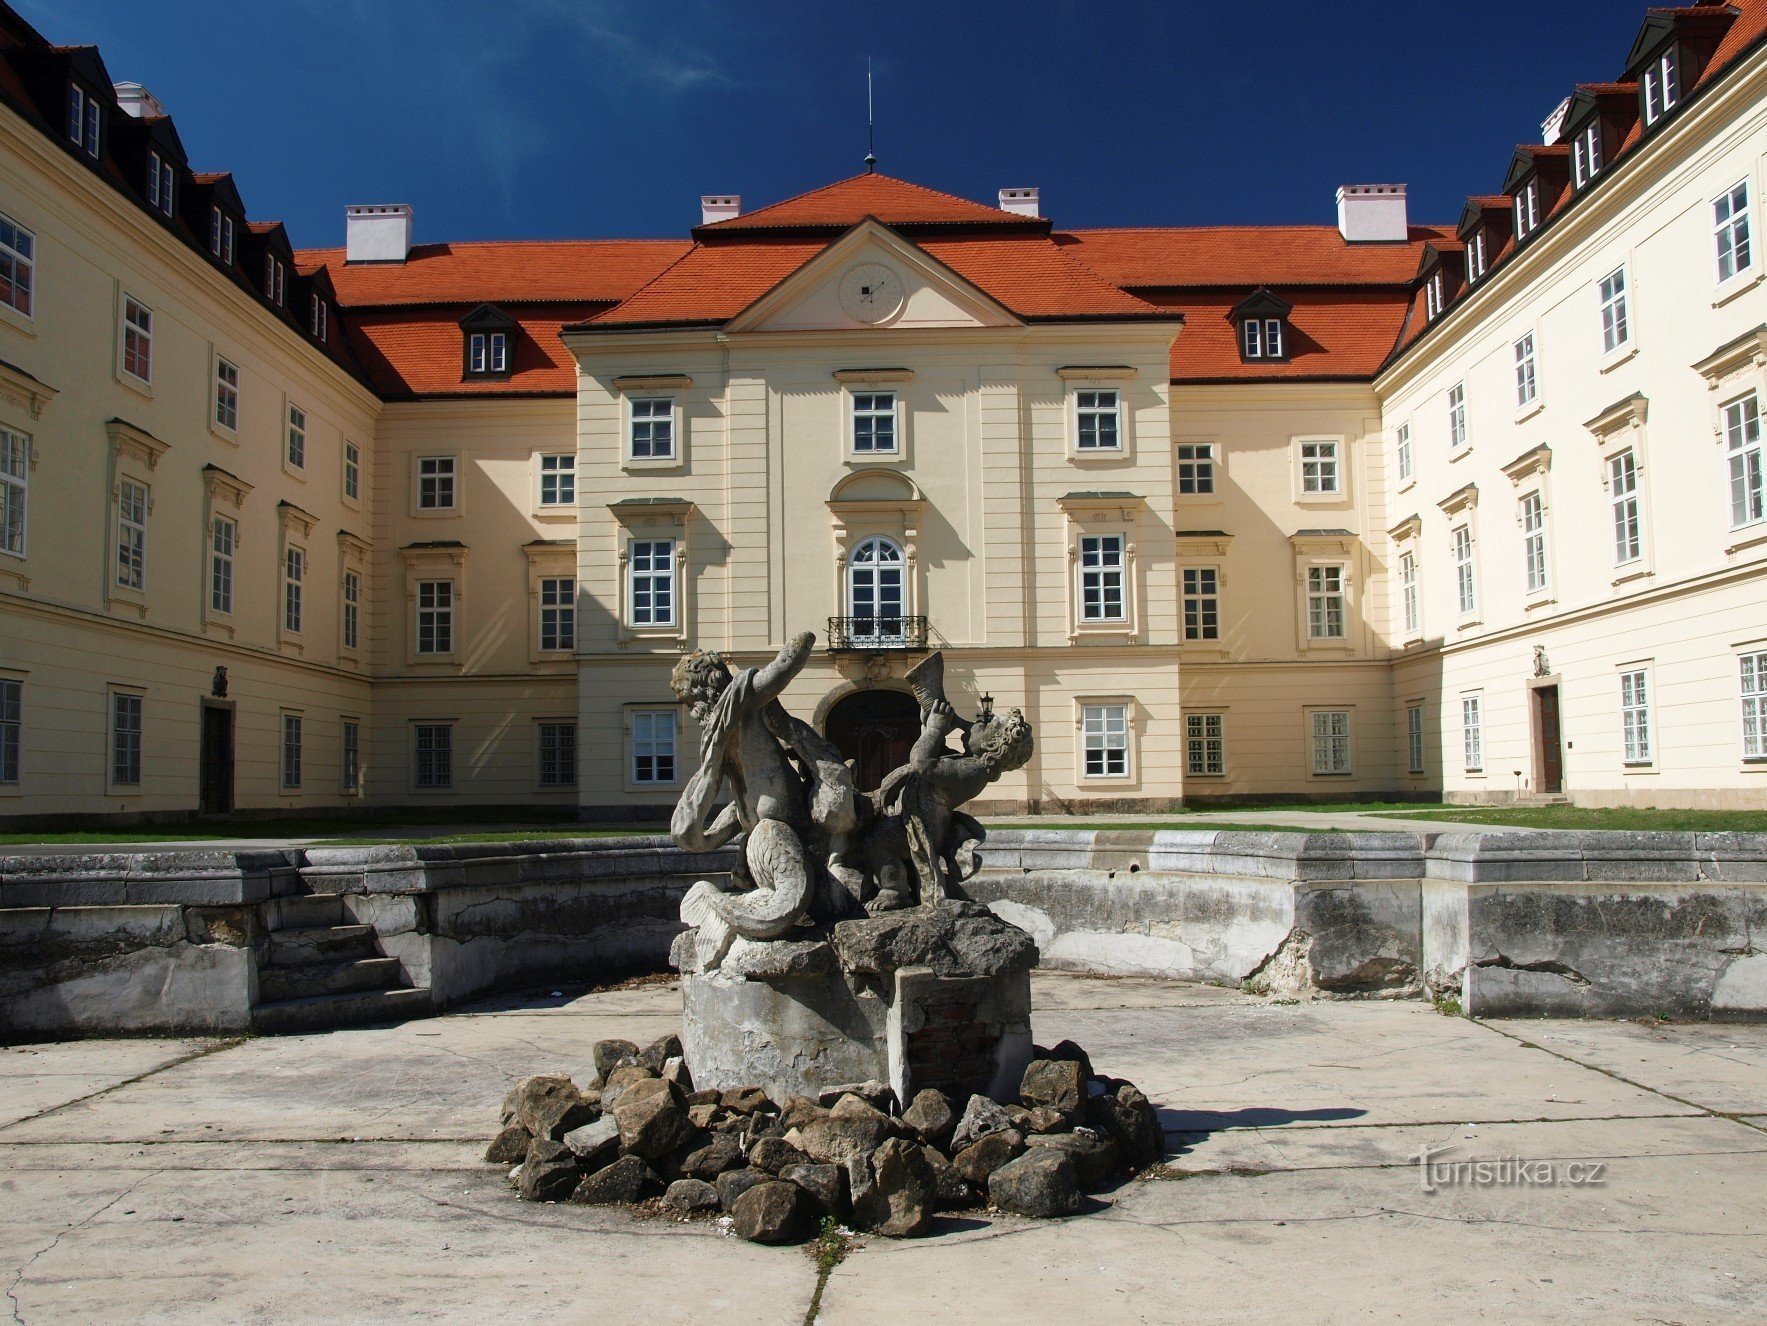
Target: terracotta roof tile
{"type": "Point", "coordinates": [417, 351]}
{"type": "Point", "coordinates": [713, 283]}
{"type": "Point", "coordinates": [519, 271]}
{"type": "Point", "coordinates": [847, 202]}
{"type": "Point", "coordinates": [1331, 334]}
{"type": "Point", "coordinates": [1278, 256]}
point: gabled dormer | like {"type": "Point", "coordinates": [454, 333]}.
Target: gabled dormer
{"type": "Point", "coordinates": [487, 343]}
{"type": "Point", "coordinates": [147, 148]}
{"type": "Point", "coordinates": [1670, 55]}
{"type": "Point", "coordinates": [1597, 120]}
{"type": "Point", "coordinates": [319, 298]}
{"type": "Point", "coordinates": [1485, 229]}
{"type": "Point", "coordinates": [1261, 321]}
{"type": "Point", "coordinates": [273, 261]}
{"type": "Point", "coordinates": [216, 214]}
{"type": "Point", "coordinates": [72, 91]}
{"type": "Point", "coordinates": [1442, 275]}
{"type": "Point", "coordinates": [1537, 182]}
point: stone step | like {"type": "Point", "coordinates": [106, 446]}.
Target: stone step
{"type": "Point", "coordinates": [310, 911]}
{"type": "Point", "coordinates": [323, 1012]}
{"type": "Point", "coordinates": [308, 979]}
{"type": "Point", "coordinates": [337, 943]}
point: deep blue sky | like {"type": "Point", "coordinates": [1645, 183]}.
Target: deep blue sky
{"type": "Point", "coordinates": [534, 118]}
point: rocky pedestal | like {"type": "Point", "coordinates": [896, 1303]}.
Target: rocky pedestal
{"type": "Point", "coordinates": [933, 996]}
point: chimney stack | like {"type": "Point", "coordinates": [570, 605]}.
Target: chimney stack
{"type": "Point", "coordinates": [1021, 202]}
{"type": "Point", "coordinates": [377, 232]}
{"type": "Point", "coordinates": [1373, 214]}
{"type": "Point", "coordinates": [719, 207]}
{"type": "Point", "coordinates": [137, 101]}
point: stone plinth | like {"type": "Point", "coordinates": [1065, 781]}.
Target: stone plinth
{"type": "Point", "coordinates": [929, 997]}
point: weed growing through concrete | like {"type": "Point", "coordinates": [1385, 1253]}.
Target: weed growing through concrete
{"type": "Point", "coordinates": [829, 1249]}
{"type": "Point", "coordinates": [1447, 1005]}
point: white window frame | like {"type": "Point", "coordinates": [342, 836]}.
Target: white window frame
{"type": "Point", "coordinates": [1087, 401]}
{"type": "Point", "coordinates": [1197, 468]}
{"type": "Point", "coordinates": [1200, 603]}
{"type": "Point", "coordinates": [436, 740]}
{"type": "Point", "coordinates": [434, 618]}
{"type": "Point", "coordinates": [1261, 338]}
{"type": "Point", "coordinates": [653, 747]}
{"type": "Point", "coordinates": [352, 479]}
{"type": "Point", "coordinates": [1102, 564]}
{"type": "Point", "coordinates": [1331, 742]}
{"type": "Point", "coordinates": [15, 492]}
{"type": "Point", "coordinates": [1531, 516]}
{"type": "Point", "coordinates": [225, 415]}
{"type": "Point", "coordinates": [85, 120]}
{"type": "Point", "coordinates": [1752, 690]}
{"type": "Point", "coordinates": [1733, 233]}
{"type": "Point", "coordinates": [872, 414]}
{"type": "Point", "coordinates": [1205, 745]}
{"type": "Point", "coordinates": [294, 582]}
{"type": "Point", "coordinates": [136, 331]}
{"type": "Point", "coordinates": [319, 317]}
{"type": "Point", "coordinates": [1415, 753]}
{"type": "Point", "coordinates": [12, 728]}
{"type": "Point", "coordinates": [1613, 297]}
{"type": "Point", "coordinates": [1586, 159]}
{"type": "Point", "coordinates": [1402, 457]}
{"type": "Point", "coordinates": [1472, 732]}
{"type": "Point", "coordinates": [1434, 296]}
{"type": "Point", "coordinates": [293, 734]}
{"type": "Point", "coordinates": [1476, 250]}
{"type": "Point", "coordinates": [350, 756]}
{"type": "Point", "coordinates": [869, 567]}
{"type": "Point", "coordinates": [1637, 745]}
{"type": "Point", "coordinates": [350, 600]}
{"type": "Point", "coordinates": [555, 743]}
{"type": "Point", "coordinates": [221, 234]}
{"type": "Point", "coordinates": [125, 742]}
{"type": "Point", "coordinates": [1745, 459]}
{"type": "Point", "coordinates": [130, 571]}
{"type": "Point", "coordinates": [557, 474]}
{"type": "Point", "coordinates": [1527, 209]}
{"type": "Point", "coordinates": [1459, 438]}
{"type": "Point", "coordinates": [1527, 374]}
{"type": "Point", "coordinates": [18, 268]}
{"type": "Point", "coordinates": [223, 554]}
{"type": "Point", "coordinates": [1466, 582]}
{"type": "Point", "coordinates": [1660, 87]}
{"type": "Point", "coordinates": [1408, 602]}
{"type": "Point", "coordinates": [161, 180]}
{"type": "Point", "coordinates": [647, 578]}
{"type": "Point", "coordinates": [558, 614]}
{"type": "Point", "coordinates": [658, 408]}
{"type": "Point", "coordinates": [435, 477]}
{"type": "Point", "coordinates": [1105, 731]}
{"type": "Point", "coordinates": [295, 453]}
{"type": "Point", "coordinates": [1626, 506]}
{"type": "Point", "coordinates": [275, 279]}
{"type": "Point", "coordinates": [1328, 601]}
{"type": "Point", "coordinates": [1320, 468]}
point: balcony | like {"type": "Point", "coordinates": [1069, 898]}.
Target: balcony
{"type": "Point", "coordinates": [873, 635]}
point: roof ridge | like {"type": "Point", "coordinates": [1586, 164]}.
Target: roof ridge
{"type": "Point", "coordinates": [510, 243]}
{"type": "Point", "coordinates": [692, 247]}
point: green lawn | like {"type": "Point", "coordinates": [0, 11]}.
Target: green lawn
{"type": "Point", "coordinates": [1578, 817]}
{"type": "Point", "coordinates": [332, 832]}
{"type": "Point", "coordinates": [1081, 822]}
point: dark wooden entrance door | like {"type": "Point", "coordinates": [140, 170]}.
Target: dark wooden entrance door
{"type": "Point", "coordinates": [1546, 739]}
{"type": "Point", "coordinates": [216, 761]}
{"type": "Point", "coordinates": [875, 730]}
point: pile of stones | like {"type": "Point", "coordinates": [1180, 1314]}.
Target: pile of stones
{"type": "Point", "coordinates": [640, 1134]}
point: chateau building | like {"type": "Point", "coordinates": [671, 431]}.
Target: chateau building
{"type": "Point", "coordinates": [1471, 509]}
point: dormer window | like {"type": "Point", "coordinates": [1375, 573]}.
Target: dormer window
{"type": "Point", "coordinates": [274, 278]}
{"type": "Point", "coordinates": [487, 337]}
{"type": "Point", "coordinates": [1263, 326]}
{"type": "Point", "coordinates": [83, 119]}
{"type": "Point", "coordinates": [160, 177]}
{"type": "Point", "coordinates": [1660, 87]}
{"type": "Point", "coordinates": [1527, 210]}
{"type": "Point", "coordinates": [1586, 152]}
{"type": "Point", "coordinates": [1434, 295]}
{"type": "Point", "coordinates": [221, 235]}
{"type": "Point", "coordinates": [1262, 338]}
{"type": "Point", "coordinates": [1476, 260]}
{"type": "Point", "coordinates": [321, 317]}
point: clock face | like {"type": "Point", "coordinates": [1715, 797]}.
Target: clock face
{"type": "Point", "coordinates": [871, 292]}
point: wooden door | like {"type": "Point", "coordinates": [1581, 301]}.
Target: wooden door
{"type": "Point", "coordinates": [215, 774]}
{"type": "Point", "coordinates": [1546, 735]}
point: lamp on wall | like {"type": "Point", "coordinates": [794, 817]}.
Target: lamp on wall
{"type": "Point", "coordinates": [987, 707]}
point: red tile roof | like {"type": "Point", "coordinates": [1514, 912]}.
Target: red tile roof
{"type": "Point", "coordinates": [495, 272]}
{"type": "Point", "coordinates": [713, 282]}
{"type": "Point", "coordinates": [1332, 334]}
{"type": "Point", "coordinates": [411, 352]}
{"type": "Point", "coordinates": [847, 202]}
{"type": "Point", "coordinates": [1204, 256]}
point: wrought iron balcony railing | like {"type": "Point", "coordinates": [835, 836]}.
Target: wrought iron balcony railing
{"type": "Point", "coordinates": [875, 634]}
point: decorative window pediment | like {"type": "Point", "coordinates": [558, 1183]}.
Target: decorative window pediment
{"type": "Point", "coordinates": [1733, 358]}
{"type": "Point", "coordinates": [1619, 419]}
{"type": "Point", "coordinates": [130, 442]}
{"type": "Point", "coordinates": [220, 486]}
{"type": "Point", "coordinates": [1462, 499]}
{"type": "Point", "coordinates": [1537, 460]}
{"type": "Point", "coordinates": [1126, 507]}
{"type": "Point", "coordinates": [294, 520]}
{"type": "Point", "coordinates": [1407, 529]}
{"type": "Point", "coordinates": [18, 388]}
{"type": "Point", "coordinates": [1202, 542]}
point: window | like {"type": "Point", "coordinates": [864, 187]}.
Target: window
{"type": "Point", "coordinates": [653, 582]}
{"type": "Point", "coordinates": [15, 475]}
{"type": "Point", "coordinates": [1475, 256]}
{"type": "Point", "coordinates": [435, 616]}
{"type": "Point", "coordinates": [274, 275]}
{"type": "Point", "coordinates": [874, 592]}
{"type": "Point", "coordinates": [1730, 222]}
{"type": "Point", "coordinates": [1754, 706]}
{"type": "Point", "coordinates": [653, 428]}
{"type": "Point", "coordinates": [1527, 386]}
{"type": "Point", "coordinates": [1402, 451]}
{"type": "Point", "coordinates": [1104, 730]}
{"type": "Point", "coordinates": [1635, 717]}
{"type": "Point", "coordinates": [352, 596]}
{"type": "Point", "coordinates": [1325, 603]}
{"type": "Point", "coordinates": [1457, 434]}
{"type": "Point", "coordinates": [223, 542]}
{"type": "Point", "coordinates": [1196, 468]}
{"type": "Point", "coordinates": [320, 318]}
{"type": "Point", "coordinates": [1205, 748]}
{"type": "Point", "coordinates": [291, 751]}
{"type": "Point", "coordinates": [1527, 210]}
{"type": "Point", "coordinates": [1614, 329]}
{"type": "Point", "coordinates": [1096, 421]}
{"type": "Point", "coordinates": [1742, 440]}
{"type": "Point", "coordinates": [352, 472]}
{"type": "Point", "coordinates": [433, 765]}
{"type": "Point", "coordinates": [487, 353]}
{"type": "Point", "coordinates": [132, 536]}
{"type": "Point", "coordinates": [1622, 478]}
{"type": "Point", "coordinates": [1414, 739]}
{"type": "Point", "coordinates": [558, 755]}
{"type": "Point", "coordinates": [1434, 294]}
{"type": "Point", "coordinates": [1262, 338]}
{"type": "Point", "coordinates": [221, 235]}
{"type": "Point", "coordinates": [11, 727]}
{"type": "Point", "coordinates": [874, 422]}
{"type": "Point", "coordinates": [1662, 86]}
{"type": "Point", "coordinates": [1101, 578]}
{"type": "Point", "coordinates": [226, 395]}
{"type": "Point", "coordinates": [1408, 591]}
{"type": "Point", "coordinates": [435, 483]}
{"type": "Point", "coordinates": [82, 119]}
{"type": "Point", "coordinates": [1331, 741]}
{"type": "Point", "coordinates": [558, 613]}
{"type": "Point", "coordinates": [137, 339]}
{"type": "Point", "coordinates": [1319, 468]}
{"type": "Point", "coordinates": [297, 437]}
{"type": "Point", "coordinates": [18, 265]}
{"type": "Point", "coordinates": [160, 177]}
{"type": "Point", "coordinates": [294, 574]}
{"type": "Point", "coordinates": [558, 480]}
{"type": "Point", "coordinates": [1472, 733]}
{"type": "Point", "coordinates": [653, 746]}
{"type": "Point", "coordinates": [1533, 518]}
{"type": "Point", "coordinates": [1586, 152]}
{"type": "Point", "coordinates": [1465, 588]}
{"type": "Point", "coordinates": [351, 756]}
{"type": "Point", "coordinates": [1202, 603]}
{"type": "Point", "coordinates": [125, 738]}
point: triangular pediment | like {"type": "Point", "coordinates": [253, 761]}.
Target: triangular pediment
{"type": "Point", "coordinates": [872, 278]}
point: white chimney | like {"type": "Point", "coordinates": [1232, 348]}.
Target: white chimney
{"type": "Point", "coordinates": [380, 232]}
{"type": "Point", "coordinates": [1022, 202]}
{"type": "Point", "coordinates": [1372, 213]}
{"type": "Point", "coordinates": [1553, 126]}
{"type": "Point", "coordinates": [719, 207]}
{"type": "Point", "coordinates": [137, 100]}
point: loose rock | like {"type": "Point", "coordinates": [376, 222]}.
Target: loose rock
{"type": "Point", "coordinates": [980, 1117]}
{"type": "Point", "coordinates": [688, 1196]}
{"type": "Point", "coordinates": [1046, 1120]}
{"type": "Point", "coordinates": [833, 1141]}
{"type": "Point", "coordinates": [774, 1154]}
{"type": "Point", "coordinates": [733, 1183]}
{"type": "Point", "coordinates": [609, 1053]}
{"type": "Point", "coordinates": [623, 1181]}
{"type": "Point", "coordinates": [675, 1070]}
{"type": "Point", "coordinates": [799, 1110]}
{"type": "Point", "coordinates": [745, 1100]}
{"type": "Point", "coordinates": [549, 1105]}
{"type": "Point", "coordinates": [772, 1212]}
{"type": "Point", "coordinates": [619, 1080]}
{"type": "Point", "coordinates": [1130, 1118]}
{"type": "Point", "coordinates": [880, 1096]}
{"type": "Point", "coordinates": [825, 1184]}
{"type": "Point", "coordinates": [595, 1144]}
{"type": "Point", "coordinates": [893, 1190]}
{"type": "Point", "coordinates": [1056, 1084]}
{"type": "Point", "coordinates": [704, 1116]}
{"type": "Point", "coordinates": [651, 1126]}
{"type": "Point", "coordinates": [659, 1052]}
{"type": "Point", "coordinates": [985, 1155]}
{"type": "Point", "coordinates": [510, 1146]}
{"type": "Point", "coordinates": [1039, 1183]}
{"type": "Point", "coordinates": [1072, 1052]}
{"type": "Point", "coordinates": [720, 1154]}
{"type": "Point", "coordinates": [952, 1190]}
{"type": "Point", "coordinates": [1096, 1158]}
{"type": "Point", "coordinates": [548, 1173]}
{"type": "Point", "coordinates": [931, 1117]}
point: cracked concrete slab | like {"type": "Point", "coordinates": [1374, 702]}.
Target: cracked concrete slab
{"type": "Point", "coordinates": [1715, 1065]}
{"type": "Point", "coordinates": [35, 1078]}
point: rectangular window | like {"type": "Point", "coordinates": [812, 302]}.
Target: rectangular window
{"type": "Point", "coordinates": [351, 756]}
{"type": "Point", "coordinates": [297, 437]}
{"type": "Point", "coordinates": [1742, 440]}
{"type": "Point", "coordinates": [487, 353]}
{"type": "Point", "coordinates": [352, 594]}
{"type": "Point", "coordinates": [221, 235]}
{"type": "Point", "coordinates": [1331, 741]}
{"type": "Point", "coordinates": [1526, 385]}
{"type": "Point", "coordinates": [1325, 603]}
{"type": "Point", "coordinates": [1527, 209]}
{"type": "Point", "coordinates": [274, 275]}
{"type": "Point", "coordinates": [874, 422]}
{"type": "Point", "coordinates": [1533, 517]}
{"type": "Point", "coordinates": [1101, 578]}
{"type": "Point", "coordinates": [223, 541]}
{"type": "Point", "coordinates": [1319, 468]}
{"type": "Point", "coordinates": [432, 766]}
{"type": "Point", "coordinates": [1402, 451]}
{"type": "Point", "coordinates": [1586, 152]}
{"type": "Point", "coordinates": [12, 706]}
{"type": "Point", "coordinates": [1475, 257]}
{"type": "Point", "coordinates": [435, 616]}
{"type": "Point", "coordinates": [352, 471]}
{"type": "Point", "coordinates": [160, 178]}
{"type": "Point", "coordinates": [18, 265]}
{"type": "Point", "coordinates": [294, 575]}
{"type": "Point", "coordinates": [1754, 705]}
{"type": "Point", "coordinates": [1408, 590]}
{"type": "Point", "coordinates": [132, 536]}
{"type": "Point", "coordinates": [1196, 468]}
{"type": "Point", "coordinates": [653, 428]}
{"type": "Point", "coordinates": [558, 613]}
{"type": "Point", "coordinates": [1434, 295]}
{"type": "Point", "coordinates": [321, 317]}
{"type": "Point", "coordinates": [137, 339]}
{"type": "Point", "coordinates": [1457, 433]}
{"type": "Point", "coordinates": [1615, 328]}
{"type": "Point", "coordinates": [1104, 732]}
{"type": "Point", "coordinates": [1205, 748]}
{"type": "Point", "coordinates": [125, 739]}
{"type": "Point", "coordinates": [291, 751]}
{"type": "Point", "coordinates": [15, 478]}
{"type": "Point", "coordinates": [653, 745]}
{"type": "Point", "coordinates": [1414, 739]}
{"type": "Point", "coordinates": [1730, 221]}
{"type": "Point", "coordinates": [1622, 479]}
{"type": "Point", "coordinates": [1096, 419]}
{"type": "Point", "coordinates": [1202, 603]}
{"type": "Point", "coordinates": [558, 755]}
{"type": "Point", "coordinates": [653, 582]}
{"type": "Point", "coordinates": [1262, 338]}
{"type": "Point", "coordinates": [82, 119]}
{"type": "Point", "coordinates": [1465, 584]}
{"type": "Point", "coordinates": [1635, 716]}
{"type": "Point", "coordinates": [1662, 86]}
{"type": "Point", "coordinates": [558, 480]}
{"type": "Point", "coordinates": [226, 395]}
{"type": "Point", "coordinates": [435, 483]}
{"type": "Point", "coordinates": [1472, 733]}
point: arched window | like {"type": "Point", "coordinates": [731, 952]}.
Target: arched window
{"type": "Point", "coordinates": [874, 592]}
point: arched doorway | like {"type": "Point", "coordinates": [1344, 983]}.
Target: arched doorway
{"type": "Point", "coordinates": [875, 730]}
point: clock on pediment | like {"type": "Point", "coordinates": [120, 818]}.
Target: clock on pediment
{"type": "Point", "coordinates": [871, 292]}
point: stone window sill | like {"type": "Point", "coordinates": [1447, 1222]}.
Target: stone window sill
{"type": "Point", "coordinates": [1737, 285]}
{"type": "Point", "coordinates": [1626, 577]}
{"type": "Point", "coordinates": [18, 322]}
{"type": "Point", "coordinates": [1619, 355]}
{"type": "Point", "coordinates": [1529, 410]}
{"type": "Point", "coordinates": [1753, 537]}
{"type": "Point", "coordinates": [1462, 454]}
